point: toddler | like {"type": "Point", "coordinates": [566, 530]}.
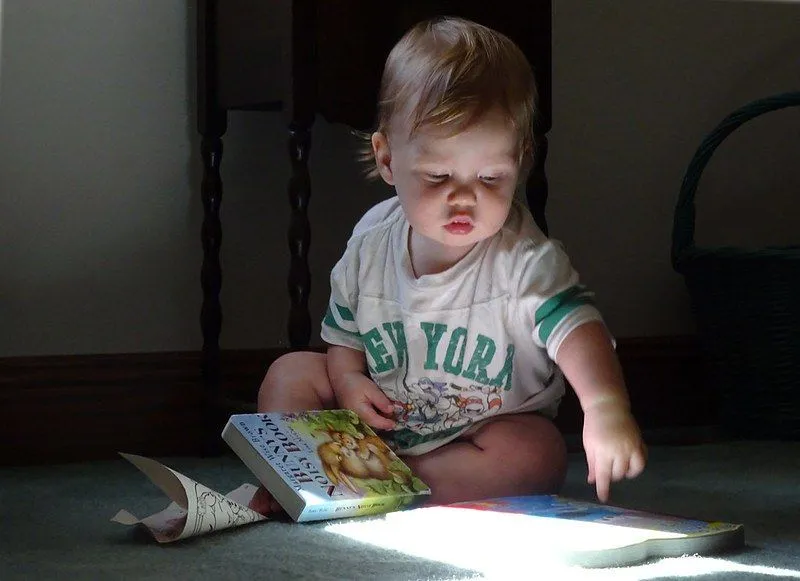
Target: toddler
{"type": "Point", "coordinates": [453, 321]}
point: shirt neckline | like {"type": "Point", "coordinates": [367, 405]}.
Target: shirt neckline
{"type": "Point", "coordinates": [439, 279]}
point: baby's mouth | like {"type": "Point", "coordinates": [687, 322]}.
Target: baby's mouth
{"type": "Point", "coordinates": [460, 225]}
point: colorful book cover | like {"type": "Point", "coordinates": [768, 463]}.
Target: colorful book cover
{"type": "Point", "coordinates": [553, 506]}
{"type": "Point", "coordinates": [323, 464]}
{"type": "Point", "coordinates": [547, 528]}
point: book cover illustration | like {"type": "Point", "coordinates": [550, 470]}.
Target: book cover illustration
{"type": "Point", "coordinates": [553, 506]}
{"type": "Point", "coordinates": [331, 456]}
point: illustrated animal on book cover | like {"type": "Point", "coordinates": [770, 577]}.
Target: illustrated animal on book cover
{"type": "Point", "coordinates": [352, 455]}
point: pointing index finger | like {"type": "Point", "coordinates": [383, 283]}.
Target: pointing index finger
{"type": "Point", "coordinates": [602, 477]}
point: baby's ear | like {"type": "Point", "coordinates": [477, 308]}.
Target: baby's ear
{"type": "Point", "coordinates": [383, 156]}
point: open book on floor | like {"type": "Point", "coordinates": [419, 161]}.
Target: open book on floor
{"type": "Point", "coordinates": [323, 464]}
{"type": "Point", "coordinates": [540, 529]}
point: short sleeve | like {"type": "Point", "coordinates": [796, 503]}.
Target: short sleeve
{"type": "Point", "coordinates": [339, 324]}
{"type": "Point", "coordinates": [550, 296]}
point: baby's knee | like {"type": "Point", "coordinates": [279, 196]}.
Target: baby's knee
{"type": "Point", "coordinates": [296, 381]}
{"type": "Point", "coordinates": [533, 448]}
{"type": "Point", "coordinates": [547, 451]}
{"type": "Point", "coordinates": [293, 367]}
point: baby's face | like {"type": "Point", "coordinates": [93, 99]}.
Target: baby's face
{"type": "Point", "coordinates": [456, 189]}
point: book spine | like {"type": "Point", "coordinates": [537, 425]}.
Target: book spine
{"type": "Point", "coordinates": [356, 507]}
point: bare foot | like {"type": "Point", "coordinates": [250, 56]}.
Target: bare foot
{"type": "Point", "coordinates": [262, 502]}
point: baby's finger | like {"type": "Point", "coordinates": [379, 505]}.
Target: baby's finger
{"type": "Point", "coordinates": [636, 465]}
{"type": "Point", "coordinates": [377, 399]}
{"type": "Point", "coordinates": [367, 413]}
{"type": "Point", "coordinates": [380, 401]}
{"type": "Point", "coordinates": [619, 468]}
{"type": "Point", "coordinates": [590, 467]}
{"type": "Point", "coordinates": [602, 473]}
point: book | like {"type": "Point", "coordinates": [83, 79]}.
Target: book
{"type": "Point", "coordinates": [552, 528]}
{"type": "Point", "coordinates": [543, 529]}
{"type": "Point", "coordinates": [323, 464]}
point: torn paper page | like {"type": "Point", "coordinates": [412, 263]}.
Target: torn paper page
{"type": "Point", "coordinates": [195, 508]}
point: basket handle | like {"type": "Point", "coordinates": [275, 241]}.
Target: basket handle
{"type": "Point", "coordinates": [683, 223]}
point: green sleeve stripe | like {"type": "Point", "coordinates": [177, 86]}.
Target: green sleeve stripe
{"type": "Point", "coordinates": [345, 313]}
{"type": "Point", "coordinates": [546, 328]}
{"type": "Point", "coordinates": [554, 302]}
{"type": "Point", "coordinates": [330, 321]}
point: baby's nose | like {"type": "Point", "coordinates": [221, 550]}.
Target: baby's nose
{"type": "Point", "coordinates": [462, 196]}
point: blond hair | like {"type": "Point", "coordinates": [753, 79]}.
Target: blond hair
{"type": "Point", "coordinates": [448, 72]}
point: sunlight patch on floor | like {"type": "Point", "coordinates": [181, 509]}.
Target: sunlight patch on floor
{"type": "Point", "coordinates": [503, 546]}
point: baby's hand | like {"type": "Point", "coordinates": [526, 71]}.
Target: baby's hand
{"type": "Point", "coordinates": [613, 445]}
{"type": "Point", "coordinates": [355, 391]}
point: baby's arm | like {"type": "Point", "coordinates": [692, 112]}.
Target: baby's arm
{"type": "Point", "coordinates": [611, 437]}
{"type": "Point", "coordinates": [354, 390]}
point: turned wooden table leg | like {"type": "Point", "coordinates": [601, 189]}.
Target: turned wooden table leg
{"type": "Point", "coordinates": [299, 282]}
{"type": "Point", "coordinates": [211, 271]}
{"type": "Point", "coordinates": [212, 122]}
{"type": "Point", "coordinates": [303, 106]}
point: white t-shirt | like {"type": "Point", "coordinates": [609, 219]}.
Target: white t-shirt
{"type": "Point", "coordinates": [458, 347]}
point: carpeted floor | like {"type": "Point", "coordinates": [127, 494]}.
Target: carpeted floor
{"type": "Point", "coordinates": [56, 524]}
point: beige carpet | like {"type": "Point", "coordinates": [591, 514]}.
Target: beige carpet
{"type": "Point", "coordinates": [56, 524]}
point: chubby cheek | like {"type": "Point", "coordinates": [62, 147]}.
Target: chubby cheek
{"type": "Point", "coordinates": [505, 205]}
{"type": "Point", "coordinates": [496, 207]}
{"type": "Point", "coordinates": [422, 211]}
{"type": "Point", "coordinates": [415, 200]}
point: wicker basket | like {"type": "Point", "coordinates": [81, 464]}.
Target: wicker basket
{"type": "Point", "coordinates": [746, 304]}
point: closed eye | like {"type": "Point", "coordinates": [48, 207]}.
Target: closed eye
{"type": "Point", "coordinates": [491, 179]}
{"type": "Point", "coordinates": [436, 178]}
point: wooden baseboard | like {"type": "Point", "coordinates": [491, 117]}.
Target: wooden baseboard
{"type": "Point", "coordinates": [66, 408]}
{"type": "Point", "coordinates": [87, 407]}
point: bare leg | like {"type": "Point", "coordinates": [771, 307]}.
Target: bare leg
{"type": "Point", "coordinates": [295, 382]}
{"type": "Point", "coordinates": [512, 455]}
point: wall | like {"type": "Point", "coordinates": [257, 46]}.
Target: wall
{"type": "Point", "coordinates": [100, 209]}
{"type": "Point", "coordinates": [637, 86]}
{"type": "Point", "coordinates": [97, 210]}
